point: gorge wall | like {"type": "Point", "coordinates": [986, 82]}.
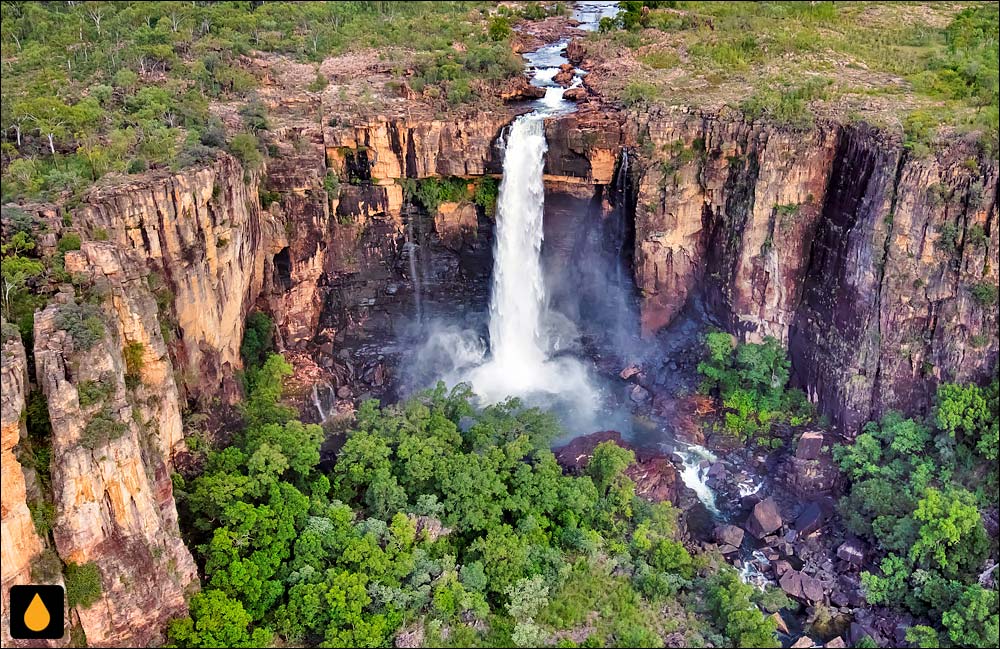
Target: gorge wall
{"type": "Point", "coordinates": [862, 258]}
{"type": "Point", "coordinates": [857, 255]}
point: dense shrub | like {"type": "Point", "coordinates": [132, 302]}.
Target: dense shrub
{"type": "Point", "coordinates": [258, 339]}
{"type": "Point", "coordinates": [83, 323]}
{"type": "Point", "coordinates": [103, 427]}
{"type": "Point", "coordinates": [83, 584]}
{"type": "Point", "coordinates": [915, 494]}
{"type": "Point", "coordinates": [69, 241]}
{"type": "Point", "coordinates": [751, 380]}
{"type": "Point", "coordinates": [134, 354]}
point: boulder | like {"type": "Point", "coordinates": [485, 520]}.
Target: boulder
{"type": "Point", "coordinates": [791, 583]}
{"type": "Point", "coordinates": [803, 643]}
{"type": "Point", "coordinates": [717, 471]}
{"type": "Point", "coordinates": [519, 88]}
{"type": "Point", "coordinates": [852, 552]}
{"type": "Point", "coordinates": [639, 394]}
{"type": "Point", "coordinates": [809, 520]}
{"type": "Point", "coordinates": [812, 589]}
{"type": "Point", "coordinates": [575, 51]}
{"type": "Point", "coordinates": [810, 445]}
{"type": "Point", "coordinates": [411, 636]}
{"type": "Point", "coordinates": [781, 567]}
{"type": "Point", "coordinates": [764, 519]}
{"type": "Point", "coordinates": [631, 370]}
{"type": "Point", "coordinates": [575, 94]}
{"type": "Point", "coordinates": [836, 643]}
{"type": "Point", "coordinates": [565, 75]}
{"type": "Point", "coordinates": [779, 623]}
{"type": "Point", "coordinates": [729, 535]}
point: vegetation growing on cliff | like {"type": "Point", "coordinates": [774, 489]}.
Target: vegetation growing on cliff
{"type": "Point", "coordinates": [99, 87]}
{"type": "Point", "coordinates": [751, 381]}
{"type": "Point", "coordinates": [916, 67]}
{"type": "Point", "coordinates": [431, 192]}
{"type": "Point", "coordinates": [917, 492]}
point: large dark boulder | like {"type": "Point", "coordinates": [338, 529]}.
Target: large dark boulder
{"type": "Point", "coordinates": [810, 445]}
{"type": "Point", "coordinates": [809, 520]}
{"type": "Point", "coordinates": [852, 552]}
{"type": "Point", "coordinates": [730, 535]}
{"type": "Point", "coordinates": [764, 519]}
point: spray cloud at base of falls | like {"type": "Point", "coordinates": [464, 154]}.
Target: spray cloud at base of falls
{"type": "Point", "coordinates": [528, 344]}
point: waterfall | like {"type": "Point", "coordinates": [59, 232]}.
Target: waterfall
{"type": "Point", "coordinates": [525, 338]}
{"type": "Point", "coordinates": [411, 252]}
{"type": "Point", "coordinates": [518, 298]}
{"type": "Point", "coordinates": [528, 353]}
{"type": "Point", "coordinates": [318, 403]}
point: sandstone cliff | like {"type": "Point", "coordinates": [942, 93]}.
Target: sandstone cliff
{"type": "Point", "coordinates": [861, 257]}
{"type": "Point", "coordinates": [20, 542]}
{"type": "Point", "coordinates": [199, 232]}
{"type": "Point", "coordinates": [110, 476]}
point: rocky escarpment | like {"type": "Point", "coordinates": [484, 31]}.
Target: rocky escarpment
{"type": "Point", "coordinates": [198, 235]}
{"type": "Point", "coordinates": [110, 468]}
{"type": "Point", "coordinates": [21, 544]}
{"type": "Point", "coordinates": [862, 258]}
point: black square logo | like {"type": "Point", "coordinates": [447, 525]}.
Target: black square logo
{"type": "Point", "coordinates": [36, 612]}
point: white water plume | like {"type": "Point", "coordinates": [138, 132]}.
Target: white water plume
{"type": "Point", "coordinates": [694, 475]}
{"type": "Point", "coordinates": [523, 335]}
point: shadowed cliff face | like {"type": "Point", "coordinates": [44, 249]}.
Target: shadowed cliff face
{"type": "Point", "coordinates": [831, 241]}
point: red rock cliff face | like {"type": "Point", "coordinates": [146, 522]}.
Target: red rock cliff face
{"type": "Point", "coordinates": [860, 257]}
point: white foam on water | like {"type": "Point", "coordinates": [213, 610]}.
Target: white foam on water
{"type": "Point", "coordinates": [694, 476]}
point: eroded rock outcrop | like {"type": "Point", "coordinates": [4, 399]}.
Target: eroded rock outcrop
{"type": "Point", "coordinates": [20, 542]}
{"type": "Point", "coordinates": [384, 148]}
{"type": "Point", "coordinates": [199, 231]}
{"type": "Point", "coordinates": [110, 478]}
{"type": "Point", "coordinates": [120, 276]}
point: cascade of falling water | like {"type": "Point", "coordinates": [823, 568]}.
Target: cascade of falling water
{"type": "Point", "coordinates": [518, 296]}
{"type": "Point", "coordinates": [411, 251]}
{"type": "Point", "coordinates": [318, 403]}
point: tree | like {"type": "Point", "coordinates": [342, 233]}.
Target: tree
{"type": "Point", "coordinates": [217, 621]}
{"type": "Point", "coordinates": [730, 602]}
{"type": "Point", "coordinates": [951, 533]}
{"type": "Point", "coordinates": [53, 118]}
{"type": "Point", "coordinates": [16, 269]}
{"type": "Point", "coordinates": [969, 413]}
{"type": "Point", "coordinates": [608, 463]}
{"type": "Point", "coordinates": [974, 621]}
